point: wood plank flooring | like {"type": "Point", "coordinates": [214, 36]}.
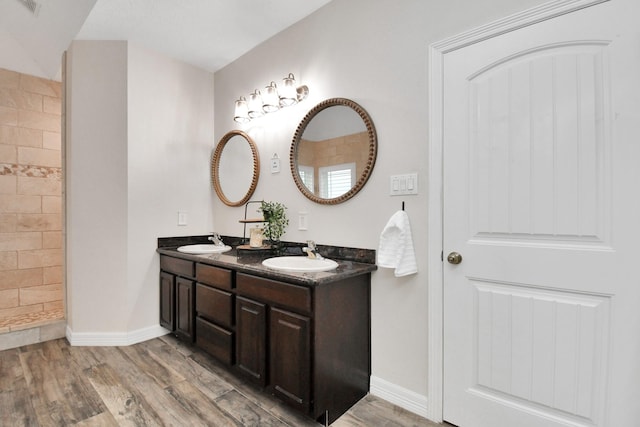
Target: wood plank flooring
{"type": "Point", "coordinates": [160, 382]}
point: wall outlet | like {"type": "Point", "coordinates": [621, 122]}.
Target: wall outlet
{"type": "Point", "coordinates": [182, 218]}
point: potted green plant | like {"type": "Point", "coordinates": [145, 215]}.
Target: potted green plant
{"type": "Point", "coordinates": [276, 221]}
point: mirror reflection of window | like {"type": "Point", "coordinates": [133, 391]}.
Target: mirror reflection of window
{"type": "Point", "coordinates": [336, 180]}
{"type": "Point", "coordinates": [306, 175]}
{"type": "Point", "coordinates": [336, 136]}
{"type": "Point", "coordinates": [336, 142]}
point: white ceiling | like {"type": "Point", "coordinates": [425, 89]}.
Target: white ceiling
{"type": "Point", "coordinates": [34, 44]}
{"type": "Point", "coordinates": [206, 33]}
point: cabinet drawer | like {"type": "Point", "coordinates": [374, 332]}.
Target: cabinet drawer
{"type": "Point", "coordinates": [295, 297]}
{"type": "Point", "coordinates": [214, 276]}
{"type": "Point", "coordinates": [177, 266]}
{"type": "Point", "coordinates": [214, 304]}
{"type": "Point", "coordinates": [215, 340]}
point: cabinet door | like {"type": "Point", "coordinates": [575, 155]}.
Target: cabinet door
{"type": "Point", "coordinates": [185, 315]}
{"type": "Point", "coordinates": [251, 319]}
{"type": "Point", "coordinates": [289, 366]}
{"type": "Point", "coordinates": [167, 294]}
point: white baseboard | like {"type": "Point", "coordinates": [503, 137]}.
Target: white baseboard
{"type": "Point", "coordinates": [107, 339]}
{"type": "Point", "coordinates": [407, 399]}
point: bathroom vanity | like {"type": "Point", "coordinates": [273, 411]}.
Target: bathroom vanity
{"type": "Point", "coordinates": [303, 337]}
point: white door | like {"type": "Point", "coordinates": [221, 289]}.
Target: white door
{"type": "Point", "coordinates": [542, 201]}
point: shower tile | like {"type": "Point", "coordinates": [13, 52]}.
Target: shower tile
{"type": "Point", "coordinates": [51, 204]}
{"type": "Point", "coordinates": [51, 140]}
{"type": "Point", "coordinates": [8, 116]}
{"type": "Point", "coordinates": [15, 98]}
{"type": "Point", "coordinates": [13, 279]}
{"type": "Point", "coordinates": [39, 222]}
{"type": "Point", "coordinates": [10, 79]}
{"type": "Point", "coordinates": [39, 258]}
{"type": "Point", "coordinates": [39, 186]}
{"type": "Point", "coordinates": [19, 203]}
{"type": "Point", "coordinates": [42, 86]}
{"type": "Point", "coordinates": [8, 184]}
{"type": "Point", "coordinates": [52, 105]}
{"type": "Point", "coordinates": [12, 135]}
{"type": "Point", "coordinates": [51, 240]}
{"type": "Point", "coordinates": [52, 275]}
{"type": "Point", "coordinates": [8, 154]}
{"type": "Point", "coordinates": [8, 260]}
{"type": "Point", "coordinates": [40, 294]}
{"type": "Point", "coordinates": [20, 241]}
{"type": "Point", "coordinates": [9, 298]}
{"type": "Point", "coordinates": [39, 157]}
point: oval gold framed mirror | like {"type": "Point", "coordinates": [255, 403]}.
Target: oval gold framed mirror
{"type": "Point", "coordinates": [333, 151]}
{"type": "Point", "coordinates": [235, 168]}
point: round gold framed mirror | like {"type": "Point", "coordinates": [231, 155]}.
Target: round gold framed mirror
{"type": "Point", "coordinates": [333, 151]}
{"type": "Point", "coordinates": [235, 168]}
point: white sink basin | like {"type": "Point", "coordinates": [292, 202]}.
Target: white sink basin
{"type": "Point", "coordinates": [204, 249]}
{"type": "Point", "coordinates": [300, 264]}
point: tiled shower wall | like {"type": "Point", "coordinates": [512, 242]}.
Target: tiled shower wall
{"type": "Point", "coordinates": [335, 151]}
{"type": "Point", "coordinates": [31, 290]}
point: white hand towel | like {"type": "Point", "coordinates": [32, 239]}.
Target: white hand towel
{"type": "Point", "coordinates": [396, 246]}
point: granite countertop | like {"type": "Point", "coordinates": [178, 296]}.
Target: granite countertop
{"type": "Point", "coordinates": [351, 262]}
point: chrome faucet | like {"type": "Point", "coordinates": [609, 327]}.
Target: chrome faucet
{"type": "Point", "coordinates": [311, 250]}
{"type": "Point", "coordinates": [216, 239]}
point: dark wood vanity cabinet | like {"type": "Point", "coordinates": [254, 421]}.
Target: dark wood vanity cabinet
{"type": "Point", "coordinates": [215, 312]}
{"type": "Point", "coordinates": [317, 356]}
{"type": "Point", "coordinates": [307, 345]}
{"type": "Point", "coordinates": [251, 347]}
{"type": "Point", "coordinates": [273, 350]}
{"type": "Point", "coordinates": [185, 321]}
{"type": "Point", "coordinates": [177, 297]}
{"type": "Point", "coordinates": [167, 304]}
{"type": "Point", "coordinates": [290, 358]}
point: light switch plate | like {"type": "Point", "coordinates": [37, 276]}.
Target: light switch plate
{"type": "Point", "coordinates": [275, 164]}
{"type": "Point", "coordinates": [402, 185]}
{"type": "Point", "coordinates": [303, 222]}
{"type": "Point", "coordinates": [182, 218]}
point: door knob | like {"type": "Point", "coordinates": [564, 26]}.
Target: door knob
{"type": "Point", "coordinates": [454, 258]}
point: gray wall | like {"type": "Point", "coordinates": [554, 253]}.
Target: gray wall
{"type": "Point", "coordinates": [375, 53]}
{"type": "Point", "coordinates": [140, 129]}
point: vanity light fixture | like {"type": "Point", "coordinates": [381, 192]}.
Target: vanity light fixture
{"type": "Point", "coordinates": [271, 101]}
{"type": "Point", "coordinates": [255, 105]}
{"type": "Point", "coordinates": [241, 114]}
{"type": "Point", "coordinates": [288, 93]}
